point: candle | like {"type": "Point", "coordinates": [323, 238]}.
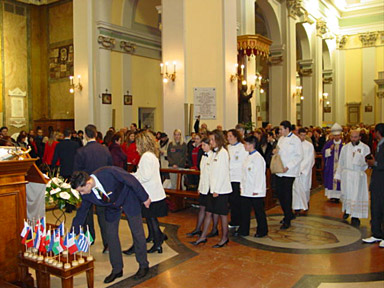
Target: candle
{"type": "Point", "coordinates": [161, 68]}
{"type": "Point", "coordinates": [242, 69]}
{"type": "Point", "coordinates": [174, 66]}
{"type": "Point", "coordinates": [166, 67]}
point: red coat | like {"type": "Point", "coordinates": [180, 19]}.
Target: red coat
{"type": "Point", "coordinates": [49, 151]}
{"type": "Point", "coordinates": [133, 157]}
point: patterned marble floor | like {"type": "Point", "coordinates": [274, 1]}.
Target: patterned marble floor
{"type": "Point", "coordinates": [320, 250]}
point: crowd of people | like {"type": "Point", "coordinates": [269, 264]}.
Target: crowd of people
{"type": "Point", "coordinates": [232, 180]}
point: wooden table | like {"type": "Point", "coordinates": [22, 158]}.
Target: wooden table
{"type": "Point", "coordinates": [177, 195]}
{"type": "Point", "coordinates": [44, 271]}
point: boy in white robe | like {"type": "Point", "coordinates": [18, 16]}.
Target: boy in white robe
{"type": "Point", "coordinates": [303, 183]}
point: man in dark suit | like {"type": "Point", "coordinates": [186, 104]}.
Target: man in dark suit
{"type": "Point", "coordinates": [116, 190]}
{"type": "Point", "coordinates": [377, 189]}
{"type": "Point", "coordinates": [90, 158]}
{"type": "Point", "coordinates": [65, 153]}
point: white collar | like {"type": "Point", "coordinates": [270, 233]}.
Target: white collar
{"type": "Point", "coordinates": [99, 186]}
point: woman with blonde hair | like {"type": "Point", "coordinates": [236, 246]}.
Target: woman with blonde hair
{"type": "Point", "coordinates": [148, 174]}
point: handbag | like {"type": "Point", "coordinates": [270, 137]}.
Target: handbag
{"type": "Point", "coordinates": [276, 164]}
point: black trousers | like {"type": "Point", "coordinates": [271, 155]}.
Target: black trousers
{"type": "Point", "coordinates": [100, 212]}
{"type": "Point", "coordinates": [235, 204]}
{"type": "Point", "coordinates": [258, 206]}
{"type": "Point", "coordinates": [377, 212]}
{"type": "Point", "coordinates": [135, 224]}
{"type": "Point", "coordinates": [284, 193]}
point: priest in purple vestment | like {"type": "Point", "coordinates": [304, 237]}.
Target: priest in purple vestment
{"type": "Point", "coordinates": [331, 152]}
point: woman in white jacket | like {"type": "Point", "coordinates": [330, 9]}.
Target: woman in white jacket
{"type": "Point", "coordinates": [219, 188]}
{"type": "Point", "coordinates": [237, 155]}
{"type": "Point", "coordinates": [148, 174]}
{"type": "Point", "coordinates": [203, 189]}
{"type": "Point", "coordinates": [253, 190]}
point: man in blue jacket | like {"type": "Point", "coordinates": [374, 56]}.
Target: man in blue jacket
{"type": "Point", "coordinates": [116, 190]}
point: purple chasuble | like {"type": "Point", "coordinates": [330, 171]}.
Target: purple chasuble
{"type": "Point", "coordinates": [329, 166]}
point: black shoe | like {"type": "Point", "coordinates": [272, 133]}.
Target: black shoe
{"type": "Point", "coordinates": [345, 216]}
{"type": "Point", "coordinates": [355, 222]}
{"type": "Point", "coordinates": [198, 242]}
{"type": "Point", "coordinates": [260, 235]}
{"type": "Point", "coordinates": [213, 234]}
{"type": "Point", "coordinates": [106, 249]}
{"type": "Point", "coordinates": [111, 277]}
{"type": "Point", "coordinates": [148, 239]}
{"type": "Point", "coordinates": [130, 251]}
{"type": "Point", "coordinates": [154, 248]}
{"type": "Point", "coordinates": [285, 226]}
{"type": "Point", "coordinates": [142, 272]}
{"type": "Point", "coordinates": [220, 245]}
{"type": "Point", "coordinates": [194, 233]}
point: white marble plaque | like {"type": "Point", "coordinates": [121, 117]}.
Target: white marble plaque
{"type": "Point", "coordinates": [205, 102]}
{"type": "Point", "coordinates": [17, 107]}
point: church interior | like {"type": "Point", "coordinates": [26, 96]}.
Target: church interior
{"type": "Point", "coordinates": [164, 63]}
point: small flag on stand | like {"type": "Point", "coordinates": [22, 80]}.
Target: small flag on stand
{"type": "Point", "coordinates": [48, 241]}
{"type": "Point", "coordinates": [82, 242]}
{"type": "Point", "coordinates": [70, 243]}
{"type": "Point", "coordinates": [61, 229]}
{"type": "Point", "coordinates": [25, 229]}
{"type": "Point", "coordinates": [58, 246]}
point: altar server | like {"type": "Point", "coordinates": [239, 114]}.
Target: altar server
{"type": "Point", "coordinates": [303, 183]}
{"type": "Point", "coordinates": [351, 172]}
{"type": "Point", "coordinates": [291, 153]}
{"type": "Point", "coordinates": [253, 190]}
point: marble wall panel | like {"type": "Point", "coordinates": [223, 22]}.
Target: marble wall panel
{"type": "Point", "coordinates": [15, 59]}
{"type": "Point", "coordinates": [61, 22]}
{"type": "Point", "coordinates": [61, 101]}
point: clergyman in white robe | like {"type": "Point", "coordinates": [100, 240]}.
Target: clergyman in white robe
{"type": "Point", "coordinates": [354, 186]}
{"type": "Point", "coordinates": [303, 183]}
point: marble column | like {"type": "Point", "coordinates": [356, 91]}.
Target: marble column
{"type": "Point", "coordinates": [248, 28]}
{"type": "Point", "coordinates": [83, 37]}
{"type": "Point", "coordinates": [328, 88]}
{"type": "Point", "coordinates": [339, 101]}
{"type": "Point", "coordinates": [368, 84]}
{"type": "Point", "coordinates": [306, 72]}
{"type": "Point", "coordinates": [318, 80]}
{"type": "Point", "coordinates": [208, 62]}
{"type": "Point", "coordinates": [92, 63]}
{"type": "Point", "coordinates": [277, 108]}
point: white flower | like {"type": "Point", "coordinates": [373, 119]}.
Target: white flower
{"type": "Point", "coordinates": [54, 191]}
{"type": "Point", "coordinates": [75, 193]}
{"type": "Point", "coordinates": [49, 183]}
{"type": "Point", "coordinates": [66, 185]}
{"type": "Point", "coordinates": [57, 181]}
{"type": "Point", "coordinates": [65, 195]}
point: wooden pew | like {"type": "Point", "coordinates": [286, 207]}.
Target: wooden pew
{"type": "Point", "coordinates": [177, 196]}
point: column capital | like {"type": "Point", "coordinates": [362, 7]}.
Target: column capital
{"type": "Point", "coordinates": [276, 53]}
{"type": "Point", "coordinates": [321, 27]}
{"type": "Point", "coordinates": [368, 39]}
{"type": "Point", "coordinates": [295, 8]}
{"type": "Point", "coordinates": [306, 67]}
{"type": "Point", "coordinates": [341, 40]}
{"type": "Point", "coordinates": [328, 76]}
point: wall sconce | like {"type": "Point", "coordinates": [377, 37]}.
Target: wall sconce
{"type": "Point", "coordinates": [258, 82]}
{"type": "Point", "coordinates": [298, 92]}
{"type": "Point", "coordinates": [164, 72]}
{"type": "Point", "coordinates": [74, 86]}
{"type": "Point", "coordinates": [324, 98]}
{"type": "Point", "coordinates": [236, 76]}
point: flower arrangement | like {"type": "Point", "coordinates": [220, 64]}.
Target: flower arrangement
{"type": "Point", "coordinates": [59, 192]}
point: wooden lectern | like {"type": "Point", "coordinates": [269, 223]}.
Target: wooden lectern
{"type": "Point", "coordinates": [13, 211]}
